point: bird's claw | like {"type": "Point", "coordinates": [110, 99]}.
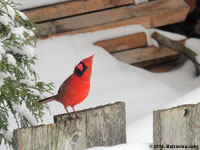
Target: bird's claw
{"type": "Point", "coordinates": [75, 118]}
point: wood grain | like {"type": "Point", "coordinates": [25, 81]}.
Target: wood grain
{"type": "Point", "coordinates": [166, 66]}
{"type": "Point", "coordinates": [151, 14]}
{"type": "Point", "coordinates": [138, 55]}
{"type": "Point", "coordinates": [100, 126]}
{"type": "Point", "coordinates": [123, 43]}
{"type": "Point", "coordinates": [177, 126]}
{"type": "Point", "coordinates": [71, 8]}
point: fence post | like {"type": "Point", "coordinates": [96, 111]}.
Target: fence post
{"type": "Point", "coordinates": [177, 128]}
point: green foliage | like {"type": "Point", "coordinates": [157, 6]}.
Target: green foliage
{"type": "Point", "coordinates": [19, 83]}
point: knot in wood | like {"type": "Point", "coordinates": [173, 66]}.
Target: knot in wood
{"type": "Point", "coordinates": [186, 112]}
{"type": "Point", "coordinates": [75, 138]}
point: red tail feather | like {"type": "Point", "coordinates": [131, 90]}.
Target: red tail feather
{"type": "Point", "coordinates": [48, 99]}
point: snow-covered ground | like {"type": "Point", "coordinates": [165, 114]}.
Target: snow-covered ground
{"type": "Point", "coordinates": [113, 80]}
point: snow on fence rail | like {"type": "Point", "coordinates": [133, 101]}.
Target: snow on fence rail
{"type": "Point", "coordinates": [100, 126]}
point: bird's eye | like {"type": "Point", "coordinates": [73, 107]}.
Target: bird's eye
{"type": "Point", "coordinates": [80, 67]}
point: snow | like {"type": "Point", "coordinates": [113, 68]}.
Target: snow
{"type": "Point", "coordinates": [9, 10]}
{"type": "Point", "coordinates": [21, 109]}
{"type": "Point", "coordinates": [4, 19]}
{"type": "Point", "coordinates": [29, 51]}
{"type": "Point", "coordinates": [194, 44]}
{"type": "Point", "coordinates": [11, 59]}
{"type": "Point", "coordinates": [19, 32]}
{"type": "Point", "coordinates": [2, 76]}
{"type": "Point", "coordinates": [2, 51]}
{"type": "Point", "coordinates": [7, 18]}
{"type": "Point", "coordinates": [22, 15]}
{"type": "Point", "coordinates": [128, 146]}
{"type": "Point", "coordinates": [140, 1]}
{"type": "Point", "coordinates": [113, 81]}
{"type": "Point", "coordinates": [37, 3]}
{"type": "Point", "coordinates": [8, 135]}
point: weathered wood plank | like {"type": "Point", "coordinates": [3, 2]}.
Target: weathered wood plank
{"type": "Point", "coordinates": [158, 61]}
{"type": "Point", "coordinates": [138, 55]}
{"type": "Point", "coordinates": [64, 135]}
{"type": "Point", "coordinates": [177, 126]}
{"type": "Point", "coordinates": [124, 42]}
{"type": "Point", "coordinates": [72, 8]}
{"type": "Point", "coordinates": [105, 125]}
{"type": "Point", "coordinates": [100, 126]}
{"type": "Point", "coordinates": [164, 67]}
{"type": "Point", "coordinates": [152, 14]}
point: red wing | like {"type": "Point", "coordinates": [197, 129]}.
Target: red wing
{"type": "Point", "coordinates": [63, 87]}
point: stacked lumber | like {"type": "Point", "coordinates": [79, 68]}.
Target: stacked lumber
{"type": "Point", "coordinates": [80, 16]}
{"type": "Point", "coordinates": [133, 49]}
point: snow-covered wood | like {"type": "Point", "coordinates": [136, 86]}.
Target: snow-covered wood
{"type": "Point", "coordinates": [100, 126]}
{"type": "Point", "coordinates": [176, 46]}
{"type": "Point", "coordinates": [140, 55]}
{"type": "Point", "coordinates": [151, 14]}
{"type": "Point", "coordinates": [124, 42]}
{"type": "Point", "coordinates": [71, 8]}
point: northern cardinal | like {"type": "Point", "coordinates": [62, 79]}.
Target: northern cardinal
{"type": "Point", "coordinates": [76, 87]}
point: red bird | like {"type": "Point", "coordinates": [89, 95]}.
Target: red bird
{"type": "Point", "coordinates": [76, 87]}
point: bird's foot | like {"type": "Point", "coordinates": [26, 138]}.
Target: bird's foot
{"type": "Point", "coordinates": [75, 118]}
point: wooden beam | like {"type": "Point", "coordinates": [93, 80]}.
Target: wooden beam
{"type": "Point", "coordinates": [123, 43]}
{"type": "Point", "coordinates": [140, 55]}
{"type": "Point", "coordinates": [148, 65]}
{"type": "Point", "coordinates": [165, 66]}
{"type": "Point", "coordinates": [100, 126]}
{"type": "Point", "coordinates": [71, 8]}
{"type": "Point", "coordinates": [151, 14]}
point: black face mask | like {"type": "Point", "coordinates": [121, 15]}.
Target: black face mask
{"type": "Point", "coordinates": [79, 72]}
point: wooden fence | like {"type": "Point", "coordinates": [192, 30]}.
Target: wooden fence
{"type": "Point", "coordinates": [100, 126]}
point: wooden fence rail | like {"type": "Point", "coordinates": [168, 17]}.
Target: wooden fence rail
{"type": "Point", "coordinates": [100, 126]}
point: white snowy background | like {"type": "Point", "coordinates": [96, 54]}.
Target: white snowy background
{"type": "Point", "coordinates": [113, 81]}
